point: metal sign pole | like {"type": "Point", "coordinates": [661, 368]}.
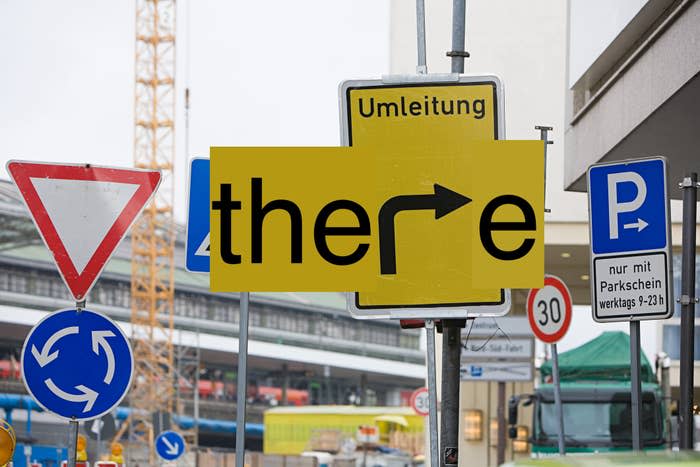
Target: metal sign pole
{"type": "Point", "coordinates": [72, 442]}
{"type": "Point", "coordinates": [451, 328]}
{"type": "Point", "coordinates": [432, 393]}
{"type": "Point", "coordinates": [557, 400]}
{"type": "Point", "coordinates": [242, 383]}
{"type": "Point", "coordinates": [687, 300]}
{"type": "Point", "coordinates": [636, 401]}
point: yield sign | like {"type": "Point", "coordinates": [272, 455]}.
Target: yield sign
{"type": "Point", "coordinates": [82, 212]}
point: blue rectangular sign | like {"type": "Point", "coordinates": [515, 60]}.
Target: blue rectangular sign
{"type": "Point", "coordinates": [628, 206]}
{"type": "Point", "coordinates": [197, 243]}
{"type": "Point", "coordinates": [630, 240]}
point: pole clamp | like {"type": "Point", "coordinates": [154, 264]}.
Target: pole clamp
{"type": "Point", "coordinates": [688, 183]}
{"type": "Point", "coordinates": [458, 53]}
{"type": "Point", "coordinates": [687, 300]}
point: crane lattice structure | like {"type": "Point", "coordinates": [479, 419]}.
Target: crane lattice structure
{"type": "Point", "coordinates": [153, 234]}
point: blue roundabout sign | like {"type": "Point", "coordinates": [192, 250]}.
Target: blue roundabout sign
{"type": "Point", "coordinates": [77, 364]}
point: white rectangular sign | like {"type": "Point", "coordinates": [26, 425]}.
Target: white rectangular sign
{"type": "Point", "coordinates": [498, 327]}
{"type": "Point", "coordinates": [633, 284]}
{"type": "Point", "coordinates": [496, 371]}
{"type": "Point", "coordinates": [475, 349]}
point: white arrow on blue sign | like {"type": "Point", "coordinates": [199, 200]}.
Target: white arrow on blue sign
{"type": "Point", "coordinates": [77, 364]}
{"type": "Point", "coordinates": [170, 445]}
{"type": "Point", "coordinates": [630, 240]}
{"type": "Point", "coordinates": [197, 243]}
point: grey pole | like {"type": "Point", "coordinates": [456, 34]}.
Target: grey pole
{"type": "Point", "coordinates": [501, 424]}
{"type": "Point", "coordinates": [687, 300]}
{"type": "Point", "coordinates": [636, 400]}
{"type": "Point", "coordinates": [242, 383]}
{"type": "Point", "coordinates": [557, 400]}
{"type": "Point", "coordinates": [72, 441]}
{"type": "Point", "coordinates": [544, 130]}
{"type": "Point", "coordinates": [432, 394]}
{"type": "Point", "coordinates": [451, 328]}
{"type": "Point", "coordinates": [422, 67]}
{"type": "Point", "coordinates": [459, 12]}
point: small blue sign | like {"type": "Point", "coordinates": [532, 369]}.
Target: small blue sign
{"type": "Point", "coordinates": [77, 364]}
{"type": "Point", "coordinates": [170, 445]}
{"type": "Point", "coordinates": [197, 243]}
{"type": "Point", "coordinates": [628, 206]}
{"type": "Point", "coordinates": [476, 371]}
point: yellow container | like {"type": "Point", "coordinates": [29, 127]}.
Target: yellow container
{"type": "Point", "coordinates": [293, 430]}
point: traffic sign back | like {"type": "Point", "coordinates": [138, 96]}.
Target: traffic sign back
{"type": "Point", "coordinates": [58, 383]}
{"type": "Point", "coordinates": [82, 212]}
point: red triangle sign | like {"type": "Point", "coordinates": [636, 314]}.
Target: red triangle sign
{"type": "Point", "coordinates": [82, 212]}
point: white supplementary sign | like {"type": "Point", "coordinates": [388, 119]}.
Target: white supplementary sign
{"type": "Point", "coordinates": [630, 240]}
{"type": "Point", "coordinates": [518, 348]}
{"type": "Point", "coordinates": [498, 327]}
{"type": "Point", "coordinates": [496, 371]}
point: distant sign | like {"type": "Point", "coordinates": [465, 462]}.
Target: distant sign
{"type": "Point", "coordinates": [514, 348]}
{"type": "Point", "coordinates": [367, 434]}
{"type": "Point", "coordinates": [82, 212]}
{"type": "Point", "coordinates": [549, 310]}
{"type": "Point", "coordinates": [77, 364]}
{"type": "Point", "coordinates": [496, 371]}
{"type": "Point", "coordinates": [630, 240]}
{"type": "Point", "coordinates": [420, 401]}
{"type": "Point", "coordinates": [170, 445]}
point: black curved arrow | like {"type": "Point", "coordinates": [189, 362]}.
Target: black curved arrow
{"type": "Point", "coordinates": [443, 201]}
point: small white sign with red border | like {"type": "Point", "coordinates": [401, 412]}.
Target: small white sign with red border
{"type": "Point", "coordinates": [82, 212]}
{"type": "Point", "coordinates": [549, 310]}
{"type": "Point", "coordinates": [420, 401]}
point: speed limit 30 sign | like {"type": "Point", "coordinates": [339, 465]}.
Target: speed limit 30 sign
{"type": "Point", "coordinates": [420, 401]}
{"type": "Point", "coordinates": [549, 310]}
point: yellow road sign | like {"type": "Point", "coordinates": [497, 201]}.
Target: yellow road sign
{"type": "Point", "coordinates": [423, 114]}
{"type": "Point", "coordinates": [425, 224]}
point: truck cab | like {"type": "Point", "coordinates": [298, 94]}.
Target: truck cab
{"type": "Point", "coordinates": [597, 417]}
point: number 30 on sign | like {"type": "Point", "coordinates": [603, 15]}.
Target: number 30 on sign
{"type": "Point", "coordinates": [549, 310]}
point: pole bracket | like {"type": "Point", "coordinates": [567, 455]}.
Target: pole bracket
{"type": "Point", "coordinates": [688, 183]}
{"type": "Point", "coordinates": [458, 53]}
{"type": "Point", "coordinates": [687, 300]}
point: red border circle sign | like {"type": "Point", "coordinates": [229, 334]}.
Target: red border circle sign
{"type": "Point", "coordinates": [552, 320]}
{"type": "Point", "coordinates": [420, 406]}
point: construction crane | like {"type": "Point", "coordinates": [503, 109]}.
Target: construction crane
{"type": "Point", "coordinates": [153, 234]}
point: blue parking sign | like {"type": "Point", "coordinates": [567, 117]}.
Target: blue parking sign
{"type": "Point", "coordinates": [630, 240]}
{"type": "Point", "coordinates": [197, 243]}
{"type": "Point", "coordinates": [628, 206]}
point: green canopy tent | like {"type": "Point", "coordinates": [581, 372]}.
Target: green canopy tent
{"type": "Point", "coordinates": [605, 358]}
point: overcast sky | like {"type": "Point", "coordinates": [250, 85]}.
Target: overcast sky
{"type": "Point", "coordinates": [260, 73]}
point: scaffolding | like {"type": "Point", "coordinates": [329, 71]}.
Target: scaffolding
{"type": "Point", "coordinates": [153, 234]}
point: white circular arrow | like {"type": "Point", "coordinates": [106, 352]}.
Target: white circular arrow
{"type": "Point", "coordinates": [43, 358]}
{"type": "Point", "coordinates": [87, 395]}
{"type": "Point", "coordinates": [173, 449]}
{"type": "Point", "coordinates": [99, 339]}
